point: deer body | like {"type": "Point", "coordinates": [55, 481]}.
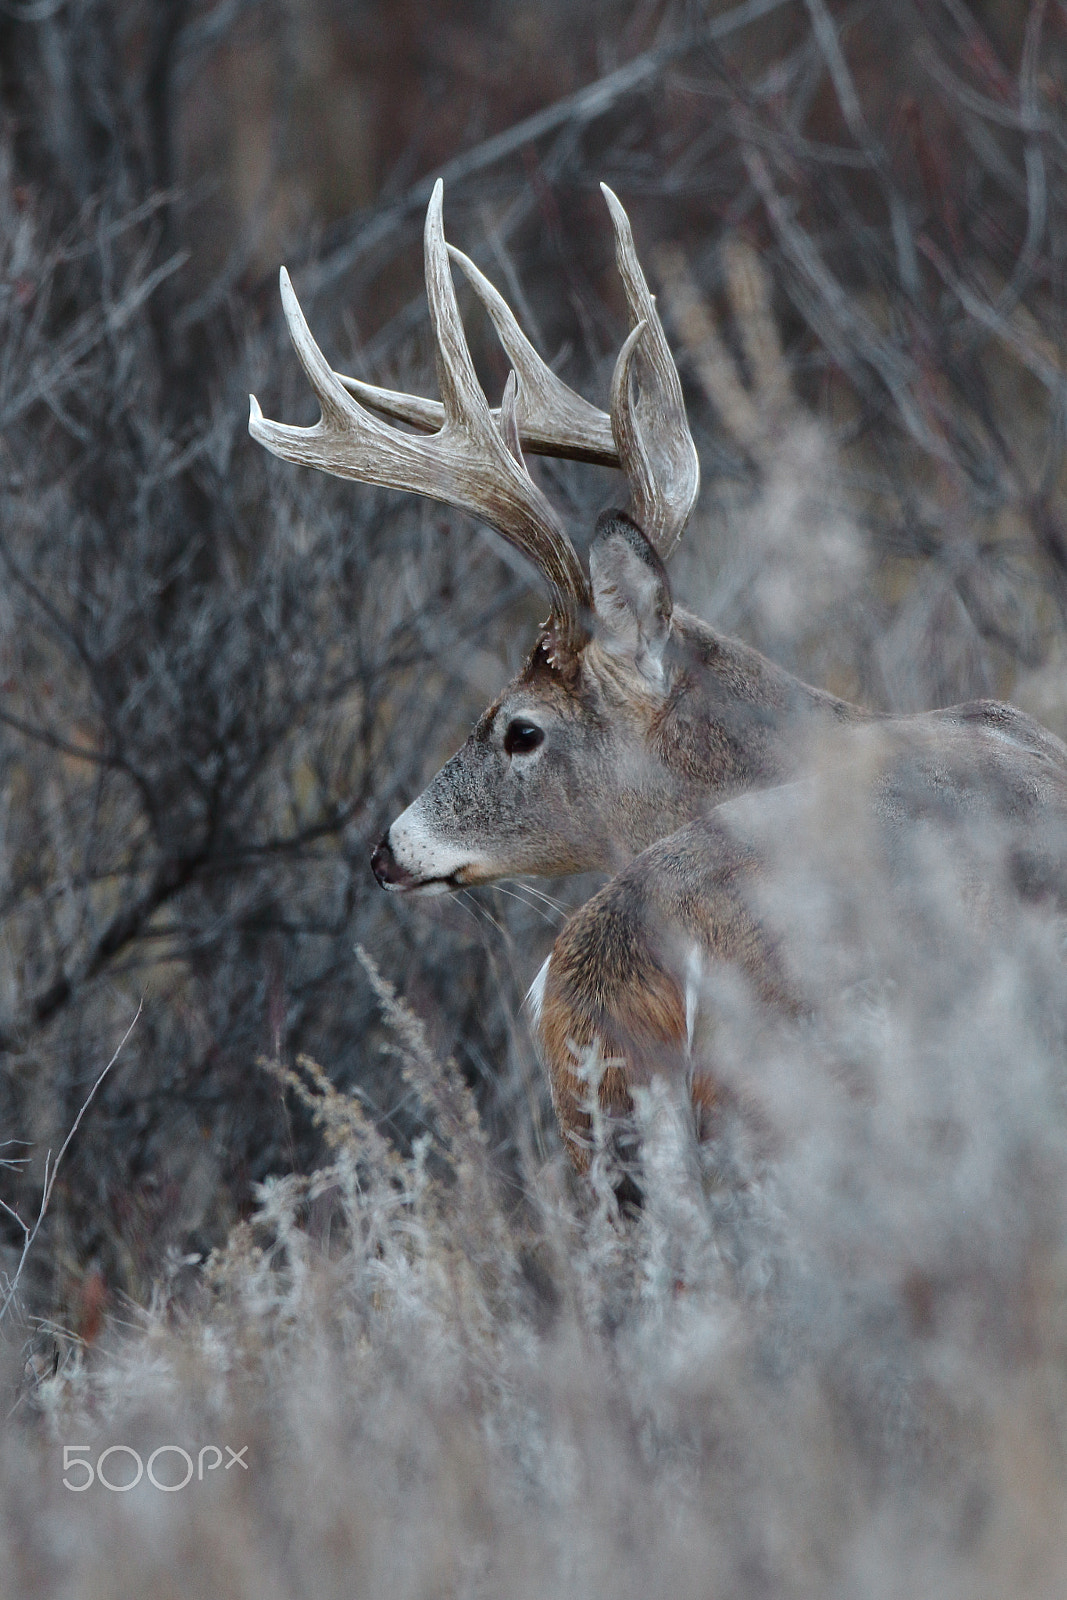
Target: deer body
{"type": "Point", "coordinates": [637, 740]}
{"type": "Point", "coordinates": [683, 784]}
{"type": "Point", "coordinates": [617, 1001]}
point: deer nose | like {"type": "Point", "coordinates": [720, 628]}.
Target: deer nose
{"type": "Point", "coordinates": [387, 869]}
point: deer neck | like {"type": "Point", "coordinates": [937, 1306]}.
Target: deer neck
{"type": "Point", "coordinates": [733, 719]}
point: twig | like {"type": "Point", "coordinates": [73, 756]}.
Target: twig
{"type": "Point", "coordinates": [1037, 353]}
{"type": "Point", "coordinates": [848, 99]}
{"type": "Point", "coordinates": [92, 332]}
{"type": "Point", "coordinates": [846, 324]}
{"type": "Point", "coordinates": [584, 106]}
{"type": "Point", "coordinates": [51, 1169]}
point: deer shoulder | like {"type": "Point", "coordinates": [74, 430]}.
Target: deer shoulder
{"type": "Point", "coordinates": [617, 1002]}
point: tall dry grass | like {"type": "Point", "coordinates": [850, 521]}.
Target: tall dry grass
{"type": "Point", "coordinates": [828, 1360]}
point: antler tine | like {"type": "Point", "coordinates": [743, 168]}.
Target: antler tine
{"type": "Point", "coordinates": [553, 420]}
{"type": "Point", "coordinates": [509, 417]}
{"type": "Point", "coordinates": [655, 445]}
{"type": "Point", "coordinates": [632, 450]}
{"type": "Point", "coordinates": [428, 415]}
{"type": "Point", "coordinates": [461, 392]}
{"type": "Point", "coordinates": [466, 463]}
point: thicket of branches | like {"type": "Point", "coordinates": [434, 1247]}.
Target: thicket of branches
{"type": "Point", "coordinates": [221, 677]}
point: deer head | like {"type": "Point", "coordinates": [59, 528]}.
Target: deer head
{"type": "Point", "coordinates": [562, 772]}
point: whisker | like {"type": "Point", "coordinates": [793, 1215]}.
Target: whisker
{"type": "Point", "coordinates": [476, 909]}
{"type": "Point", "coordinates": [515, 894]}
{"type": "Point", "coordinates": [529, 888]}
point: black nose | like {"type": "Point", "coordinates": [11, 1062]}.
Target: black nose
{"type": "Point", "coordinates": [388, 871]}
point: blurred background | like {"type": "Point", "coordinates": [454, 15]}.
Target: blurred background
{"type": "Point", "coordinates": [221, 677]}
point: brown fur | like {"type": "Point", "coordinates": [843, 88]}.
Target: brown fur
{"type": "Point", "coordinates": [609, 1005]}
{"type": "Point", "coordinates": [614, 993]}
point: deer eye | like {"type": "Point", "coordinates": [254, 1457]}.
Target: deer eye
{"type": "Point", "coordinates": [522, 737]}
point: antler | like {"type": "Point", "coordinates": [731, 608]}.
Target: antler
{"type": "Point", "coordinates": [473, 458]}
{"type": "Point", "coordinates": [467, 462]}
{"type": "Point", "coordinates": [651, 440]}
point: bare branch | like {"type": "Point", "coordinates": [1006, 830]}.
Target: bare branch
{"type": "Point", "coordinates": [582, 107]}
{"type": "Point", "coordinates": [51, 1171]}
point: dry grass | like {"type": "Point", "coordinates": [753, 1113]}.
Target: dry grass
{"type": "Point", "coordinates": [828, 1360]}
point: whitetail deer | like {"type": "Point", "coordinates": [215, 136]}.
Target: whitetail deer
{"type": "Point", "coordinates": [632, 720]}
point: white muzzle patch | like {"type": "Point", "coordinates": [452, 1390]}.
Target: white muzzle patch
{"type": "Point", "coordinates": [435, 863]}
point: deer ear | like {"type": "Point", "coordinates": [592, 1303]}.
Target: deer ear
{"type": "Point", "coordinates": [631, 595]}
